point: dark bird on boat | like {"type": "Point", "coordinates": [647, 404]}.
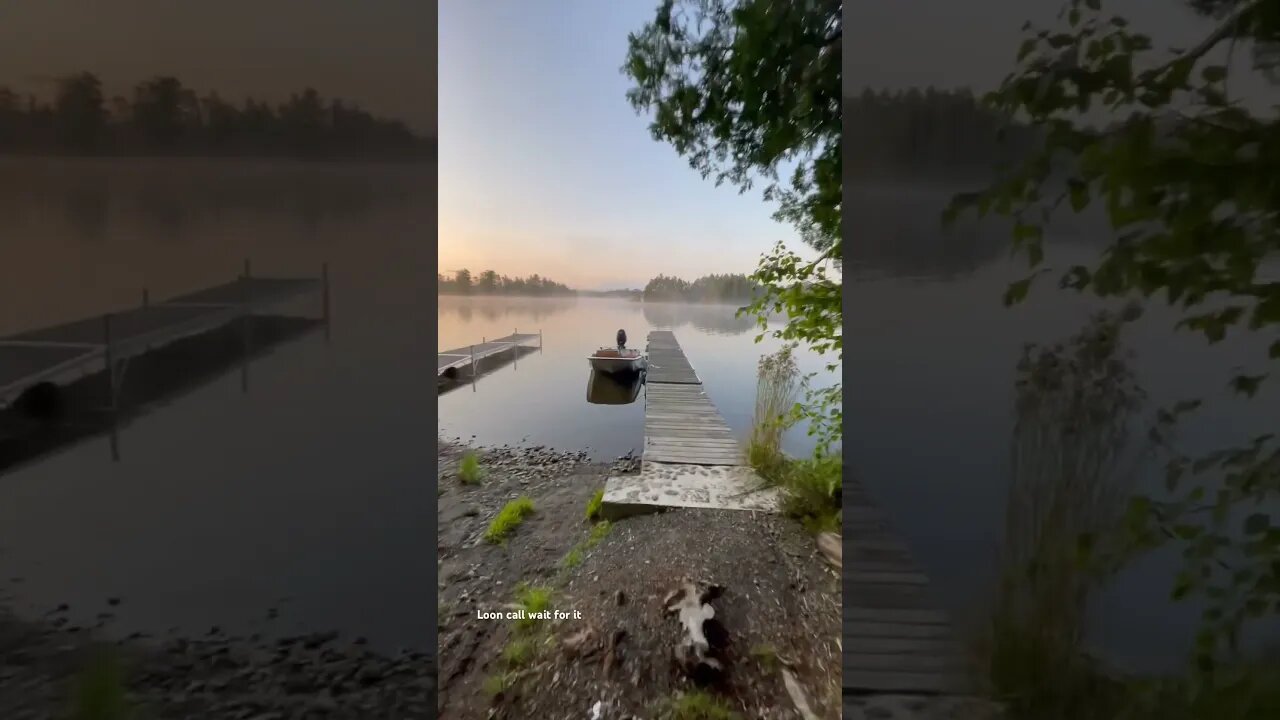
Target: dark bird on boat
{"type": "Point", "coordinates": [622, 339]}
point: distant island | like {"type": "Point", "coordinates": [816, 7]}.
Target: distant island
{"type": "Point", "coordinates": [930, 130]}
{"type": "Point", "coordinates": [491, 283]}
{"type": "Point", "coordinates": [706, 289]}
{"type": "Point", "coordinates": [165, 118]}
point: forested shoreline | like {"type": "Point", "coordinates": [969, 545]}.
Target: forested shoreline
{"type": "Point", "coordinates": [163, 117]}
{"type": "Point", "coordinates": [930, 130]}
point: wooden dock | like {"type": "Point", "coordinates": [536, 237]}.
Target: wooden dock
{"type": "Point", "coordinates": [70, 350]}
{"type": "Point", "coordinates": [691, 457]}
{"type": "Point", "coordinates": [895, 639]}
{"type": "Point", "coordinates": [450, 362]}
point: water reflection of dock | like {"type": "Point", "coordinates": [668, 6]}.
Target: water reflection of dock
{"type": "Point", "coordinates": [471, 361]}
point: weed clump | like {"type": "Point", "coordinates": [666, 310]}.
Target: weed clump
{"type": "Point", "coordinates": [508, 519]}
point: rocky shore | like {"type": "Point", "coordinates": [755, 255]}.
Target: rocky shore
{"type": "Point", "coordinates": [610, 653]}
{"type": "Point", "coordinates": [47, 671]}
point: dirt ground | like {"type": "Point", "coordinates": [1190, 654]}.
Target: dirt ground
{"type": "Point", "coordinates": [613, 657]}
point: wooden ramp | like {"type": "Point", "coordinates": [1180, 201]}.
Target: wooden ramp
{"type": "Point", "coordinates": [895, 639]}
{"type": "Point", "coordinates": [73, 349]}
{"type": "Point", "coordinates": [465, 357]}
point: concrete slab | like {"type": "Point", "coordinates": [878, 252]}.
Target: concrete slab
{"type": "Point", "coordinates": [661, 485]}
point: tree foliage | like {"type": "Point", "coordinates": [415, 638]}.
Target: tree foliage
{"type": "Point", "coordinates": [708, 288]}
{"type": "Point", "coordinates": [491, 283]}
{"type": "Point", "coordinates": [1188, 179]}
{"type": "Point", "coordinates": [749, 90]}
{"type": "Point", "coordinates": [930, 131]}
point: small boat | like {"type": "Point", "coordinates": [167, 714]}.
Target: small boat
{"type": "Point", "coordinates": [615, 361]}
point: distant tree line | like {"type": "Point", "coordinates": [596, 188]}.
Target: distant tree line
{"type": "Point", "coordinates": [708, 288]}
{"type": "Point", "coordinates": [930, 129]}
{"type": "Point", "coordinates": [491, 283]}
{"type": "Point", "coordinates": [164, 117]}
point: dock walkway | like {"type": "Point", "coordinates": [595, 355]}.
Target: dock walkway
{"type": "Point", "coordinates": [691, 457]}
{"type": "Point", "coordinates": [70, 350]}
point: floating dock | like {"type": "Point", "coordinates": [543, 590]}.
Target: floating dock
{"type": "Point", "coordinates": [468, 361]}
{"type": "Point", "coordinates": [74, 349]}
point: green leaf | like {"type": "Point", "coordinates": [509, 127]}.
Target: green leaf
{"type": "Point", "coordinates": [1017, 291]}
{"type": "Point", "coordinates": [1079, 194]}
{"type": "Point", "coordinates": [1028, 46]}
{"type": "Point", "coordinates": [1256, 524]}
{"type": "Point", "coordinates": [1026, 231]}
{"type": "Point", "coordinates": [1214, 73]}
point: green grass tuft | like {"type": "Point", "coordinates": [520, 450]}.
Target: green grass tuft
{"type": "Point", "coordinates": [469, 469]}
{"type": "Point", "coordinates": [100, 692]}
{"type": "Point", "coordinates": [766, 655]}
{"type": "Point", "coordinates": [508, 519]}
{"type": "Point", "coordinates": [495, 685]}
{"type": "Point", "coordinates": [575, 556]}
{"type": "Point", "coordinates": [518, 652]}
{"type": "Point", "coordinates": [698, 705]}
{"type": "Point", "coordinates": [572, 559]}
{"type": "Point", "coordinates": [594, 505]}
{"type": "Point", "coordinates": [532, 599]}
{"type": "Point", "coordinates": [599, 531]}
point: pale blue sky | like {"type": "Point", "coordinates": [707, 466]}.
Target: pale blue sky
{"type": "Point", "coordinates": [544, 166]}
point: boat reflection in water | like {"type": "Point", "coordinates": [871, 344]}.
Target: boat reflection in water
{"type": "Point", "coordinates": [604, 389]}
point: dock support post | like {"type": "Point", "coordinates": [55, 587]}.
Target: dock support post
{"type": "Point", "coordinates": [539, 341]}
{"type": "Point", "coordinates": [324, 297]}
{"type": "Point", "coordinates": [473, 368]}
{"type": "Point", "coordinates": [112, 404]}
{"type": "Point", "coordinates": [246, 311]}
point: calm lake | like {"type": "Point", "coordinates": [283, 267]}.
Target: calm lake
{"type": "Point", "coordinates": [310, 494]}
{"type": "Point", "coordinates": [932, 352]}
{"type": "Point", "coordinates": [542, 398]}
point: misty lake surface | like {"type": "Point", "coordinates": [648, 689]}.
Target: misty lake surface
{"type": "Point", "coordinates": [542, 398]}
{"type": "Point", "coordinates": [312, 493]}
{"type": "Point", "coordinates": [931, 359]}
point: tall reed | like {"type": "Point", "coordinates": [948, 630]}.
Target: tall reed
{"type": "Point", "coordinates": [777, 390]}
{"type": "Point", "coordinates": [1073, 464]}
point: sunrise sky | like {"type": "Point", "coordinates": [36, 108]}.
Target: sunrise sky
{"type": "Point", "coordinates": [544, 166]}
